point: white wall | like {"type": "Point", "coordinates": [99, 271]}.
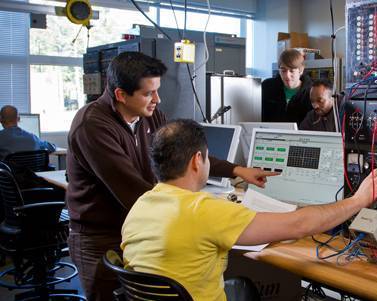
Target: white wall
{"type": "Point", "coordinates": [295, 21]}
{"type": "Point", "coordinates": [308, 16]}
{"type": "Point", "coordinates": [316, 21]}
{"type": "Point", "coordinates": [271, 17]}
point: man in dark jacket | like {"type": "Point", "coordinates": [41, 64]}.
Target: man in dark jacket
{"type": "Point", "coordinates": [285, 98]}
{"type": "Point", "coordinates": [108, 165]}
{"type": "Point", "coordinates": [321, 118]}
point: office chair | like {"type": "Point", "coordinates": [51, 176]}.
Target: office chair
{"type": "Point", "coordinates": [37, 160]}
{"type": "Point", "coordinates": [241, 289]}
{"type": "Point", "coordinates": [143, 286]}
{"type": "Point", "coordinates": [33, 236]}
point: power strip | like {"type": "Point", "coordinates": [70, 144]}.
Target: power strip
{"type": "Point", "coordinates": [366, 222]}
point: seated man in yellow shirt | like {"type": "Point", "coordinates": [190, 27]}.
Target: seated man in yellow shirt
{"type": "Point", "coordinates": [177, 231]}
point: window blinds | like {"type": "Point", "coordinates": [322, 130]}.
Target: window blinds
{"type": "Point", "coordinates": [14, 65]}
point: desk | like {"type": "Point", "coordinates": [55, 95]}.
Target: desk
{"type": "Point", "coordinates": [61, 153]}
{"type": "Point", "coordinates": [56, 177]}
{"type": "Point", "coordinates": [358, 278]}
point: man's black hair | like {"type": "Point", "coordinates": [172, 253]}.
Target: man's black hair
{"type": "Point", "coordinates": [323, 82]}
{"type": "Point", "coordinates": [128, 68]}
{"type": "Point", "coordinates": [173, 147]}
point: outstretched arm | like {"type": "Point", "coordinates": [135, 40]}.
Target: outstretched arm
{"type": "Point", "coordinates": [270, 227]}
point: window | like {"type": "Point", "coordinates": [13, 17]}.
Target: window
{"type": "Point", "coordinates": [14, 48]}
{"type": "Point", "coordinates": [56, 85]}
{"type": "Point", "coordinates": [41, 69]}
{"type": "Point", "coordinates": [56, 94]}
{"type": "Point", "coordinates": [57, 39]}
{"type": "Point", "coordinates": [249, 45]}
{"type": "Point", "coordinates": [197, 21]}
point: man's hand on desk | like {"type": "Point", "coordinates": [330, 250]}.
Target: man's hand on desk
{"type": "Point", "coordinates": [254, 176]}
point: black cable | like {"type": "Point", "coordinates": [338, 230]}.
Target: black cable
{"type": "Point", "coordinates": [355, 138]}
{"type": "Point", "coordinates": [336, 194]}
{"type": "Point", "coordinates": [170, 39]}
{"type": "Point", "coordinates": [175, 18]}
{"type": "Point", "coordinates": [187, 65]}
{"type": "Point", "coordinates": [88, 37]}
{"type": "Point", "coordinates": [195, 94]}
{"type": "Point", "coordinates": [332, 38]}
{"type": "Point", "coordinates": [184, 26]}
{"type": "Point", "coordinates": [326, 243]}
{"type": "Point", "coordinates": [150, 20]}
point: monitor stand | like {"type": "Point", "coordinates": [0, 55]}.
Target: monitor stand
{"type": "Point", "coordinates": [217, 189]}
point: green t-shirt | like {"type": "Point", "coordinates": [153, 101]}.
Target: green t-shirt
{"type": "Point", "coordinates": [289, 93]}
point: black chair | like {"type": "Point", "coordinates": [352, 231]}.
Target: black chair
{"type": "Point", "coordinates": [34, 237]}
{"type": "Point", "coordinates": [241, 289]}
{"type": "Point", "coordinates": [35, 161]}
{"type": "Point", "coordinates": [143, 286]}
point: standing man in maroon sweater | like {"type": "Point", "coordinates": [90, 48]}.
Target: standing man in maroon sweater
{"type": "Point", "coordinates": [109, 168]}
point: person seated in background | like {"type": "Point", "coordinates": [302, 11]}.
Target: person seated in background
{"type": "Point", "coordinates": [14, 139]}
{"type": "Point", "coordinates": [285, 98]}
{"type": "Point", "coordinates": [321, 118]}
{"type": "Point", "coordinates": [175, 230]}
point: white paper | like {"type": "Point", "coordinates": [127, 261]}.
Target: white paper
{"type": "Point", "coordinates": [259, 202]}
{"type": "Point", "coordinates": [257, 248]}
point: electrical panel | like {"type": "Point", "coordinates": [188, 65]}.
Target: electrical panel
{"type": "Point", "coordinates": [360, 110]}
{"type": "Point", "coordinates": [97, 59]}
{"type": "Point", "coordinates": [360, 115]}
{"type": "Point", "coordinates": [226, 51]}
{"type": "Point", "coordinates": [177, 100]}
{"type": "Point", "coordinates": [361, 40]}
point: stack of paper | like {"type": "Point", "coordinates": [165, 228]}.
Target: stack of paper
{"type": "Point", "coordinates": [259, 202]}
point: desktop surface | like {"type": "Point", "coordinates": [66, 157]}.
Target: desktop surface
{"type": "Point", "coordinates": [358, 277]}
{"type": "Point", "coordinates": [311, 165]}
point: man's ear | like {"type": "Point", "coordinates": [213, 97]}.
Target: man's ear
{"type": "Point", "coordinates": [196, 160]}
{"type": "Point", "coordinates": [120, 95]}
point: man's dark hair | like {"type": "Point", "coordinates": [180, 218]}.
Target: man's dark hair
{"type": "Point", "coordinates": [323, 82]}
{"type": "Point", "coordinates": [8, 114]}
{"type": "Point", "coordinates": [128, 68]}
{"type": "Point", "coordinates": [173, 147]}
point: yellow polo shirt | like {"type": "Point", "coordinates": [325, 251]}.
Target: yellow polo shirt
{"type": "Point", "coordinates": [185, 236]}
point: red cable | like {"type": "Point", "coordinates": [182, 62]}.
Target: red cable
{"type": "Point", "coordinates": [359, 83]}
{"type": "Point", "coordinates": [344, 154]}
{"type": "Point", "coordinates": [372, 151]}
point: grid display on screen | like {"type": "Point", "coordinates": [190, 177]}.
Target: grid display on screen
{"type": "Point", "coordinates": [310, 164]}
{"type": "Point", "coordinates": [303, 157]}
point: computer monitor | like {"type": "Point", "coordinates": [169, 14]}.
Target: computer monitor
{"type": "Point", "coordinates": [311, 164]}
{"type": "Point", "coordinates": [30, 123]}
{"type": "Point", "coordinates": [222, 143]}
{"type": "Point", "coordinates": [247, 133]}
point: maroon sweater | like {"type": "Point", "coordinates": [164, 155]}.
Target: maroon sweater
{"type": "Point", "coordinates": [108, 166]}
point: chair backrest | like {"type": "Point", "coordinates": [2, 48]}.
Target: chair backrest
{"type": "Point", "coordinates": [6, 167]}
{"type": "Point", "coordinates": [37, 160]}
{"type": "Point", "coordinates": [10, 195]}
{"type": "Point", "coordinates": [144, 286]}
